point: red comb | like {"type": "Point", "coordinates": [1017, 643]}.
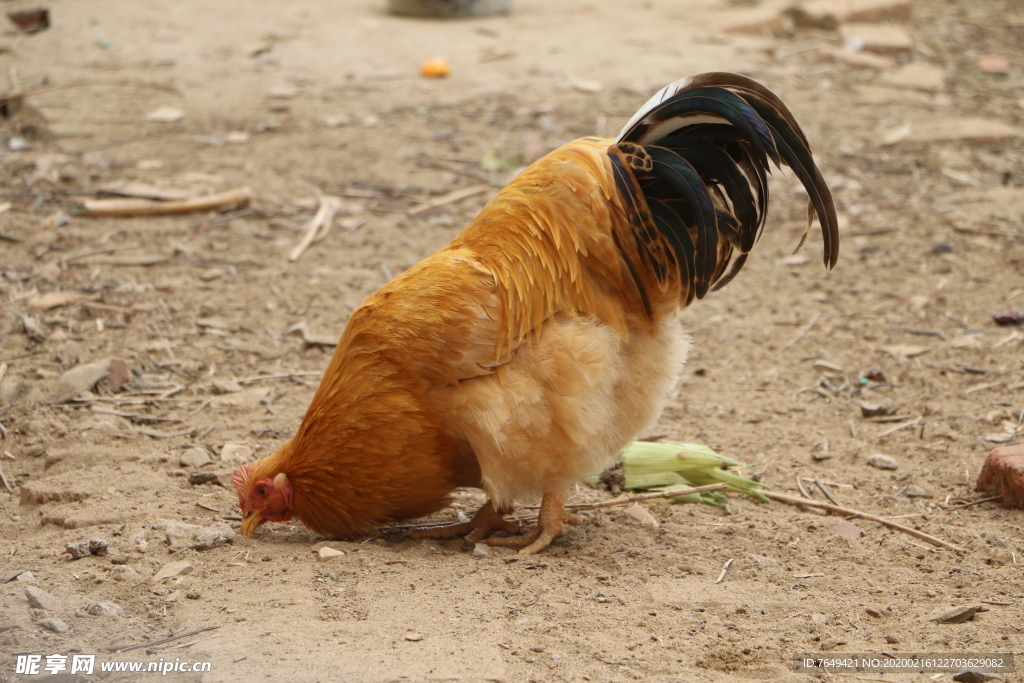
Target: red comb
{"type": "Point", "coordinates": [240, 478]}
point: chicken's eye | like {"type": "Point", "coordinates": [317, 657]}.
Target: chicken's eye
{"type": "Point", "coordinates": [261, 491]}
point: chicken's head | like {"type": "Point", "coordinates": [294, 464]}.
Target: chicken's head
{"type": "Point", "coordinates": [262, 498]}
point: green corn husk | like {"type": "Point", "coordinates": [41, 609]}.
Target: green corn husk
{"type": "Point", "coordinates": [663, 466]}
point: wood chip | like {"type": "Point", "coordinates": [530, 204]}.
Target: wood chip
{"type": "Point", "coordinates": [146, 207]}
{"type": "Point", "coordinates": [725, 568]}
{"type": "Point", "coordinates": [46, 302]}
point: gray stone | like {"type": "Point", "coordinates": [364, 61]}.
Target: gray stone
{"type": "Point", "coordinates": [40, 599]}
{"type": "Point", "coordinates": [55, 625]}
{"type": "Point", "coordinates": [123, 573]}
{"type": "Point", "coordinates": [105, 609]}
{"type": "Point", "coordinates": [94, 546]}
{"type": "Point", "coordinates": [213, 536]}
{"type": "Point", "coordinates": [77, 550]}
{"type": "Point", "coordinates": [180, 536]}
{"type": "Point", "coordinates": [78, 379]}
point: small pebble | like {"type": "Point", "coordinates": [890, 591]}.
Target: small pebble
{"type": "Point", "coordinates": [882, 462]}
{"type": "Point", "coordinates": [195, 457]}
{"type": "Point", "coordinates": [877, 408]}
{"type": "Point", "coordinates": [327, 554]}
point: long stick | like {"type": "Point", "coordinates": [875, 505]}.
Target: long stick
{"type": "Point", "coordinates": [161, 642]}
{"type": "Point", "coordinates": [793, 500]}
{"type": "Point", "coordinates": [648, 496]}
{"type": "Point", "coordinates": [147, 207]}
{"type": "Point", "coordinates": [589, 506]}
{"type": "Point", "coordinates": [319, 225]}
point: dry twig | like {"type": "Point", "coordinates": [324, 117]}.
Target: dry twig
{"type": "Point", "coordinates": [319, 226]}
{"type": "Point", "coordinates": [725, 568]}
{"type": "Point", "coordinates": [453, 196]}
{"type": "Point", "coordinates": [976, 502]}
{"type": "Point", "coordinates": [801, 334]}
{"type": "Point", "coordinates": [897, 428]}
{"type": "Point", "coordinates": [148, 207]}
{"type": "Point", "coordinates": [161, 642]}
{"type": "Point", "coordinates": [793, 500]}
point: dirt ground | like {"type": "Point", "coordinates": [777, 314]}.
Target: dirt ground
{"type": "Point", "coordinates": [215, 324]}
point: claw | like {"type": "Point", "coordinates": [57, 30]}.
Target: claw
{"type": "Point", "coordinates": [485, 522]}
{"type": "Point", "coordinates": [550, 525]}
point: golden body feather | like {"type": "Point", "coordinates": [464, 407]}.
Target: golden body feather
{"type": "Point", "coordinates": [542, 339]}
{"type": "Point", "coordinates": [523, 345]}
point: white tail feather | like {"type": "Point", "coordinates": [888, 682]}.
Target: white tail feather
{"type": "Point", "coordinates": [659, 97]}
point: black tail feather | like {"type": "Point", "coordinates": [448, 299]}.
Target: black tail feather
{"type": "Point", "coordinates": [698, 155]}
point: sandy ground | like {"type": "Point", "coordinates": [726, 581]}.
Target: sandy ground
{"type": "Point", "coordinates": [291, 99]}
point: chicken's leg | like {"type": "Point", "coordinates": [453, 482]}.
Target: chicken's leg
{"type": "Point", "coordinates": [550, 525]}
{"type": "Point", "coordinates": [485, 522]}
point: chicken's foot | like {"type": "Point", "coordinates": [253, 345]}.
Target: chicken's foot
{"type": "Point", "coordinates": [485, 522]}
{"type": "Point", "coordinates": [550, 525]}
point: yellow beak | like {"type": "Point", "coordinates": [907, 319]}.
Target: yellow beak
{"type": "Point", "coordinates": [250, 522]}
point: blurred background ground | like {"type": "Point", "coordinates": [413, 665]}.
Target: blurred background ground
{"type": "Point", "coordinates": [915, 112]}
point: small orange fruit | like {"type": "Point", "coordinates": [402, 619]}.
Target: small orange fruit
{"type": "Point", "coordinates": [435, 68]}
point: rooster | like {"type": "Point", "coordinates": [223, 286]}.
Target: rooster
{"type": "Point", "coordinates": [540, 341]}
